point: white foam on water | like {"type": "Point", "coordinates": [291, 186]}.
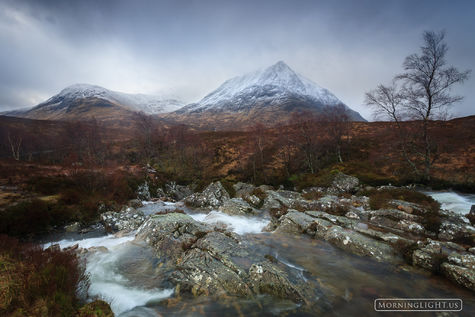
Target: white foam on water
{"type": "Point", "coordinates": [239, 224]}
{"type": "Point", "coordinates": [108, 284]}
{"type": "Point", "coordinates": [106, 281]}
{"type": "Point", "coordinates": [459, 203]}
{"type": "Point", "coordinates": [104, 241]}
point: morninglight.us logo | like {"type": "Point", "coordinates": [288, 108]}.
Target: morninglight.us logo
{"type": "Point", "coordinates": [418, 304]}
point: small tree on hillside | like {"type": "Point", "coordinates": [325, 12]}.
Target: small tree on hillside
{"type": "Point", "coordinates": [421, 93]}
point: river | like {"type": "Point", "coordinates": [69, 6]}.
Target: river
{"type": "Point", "coordinates": [126, 274]}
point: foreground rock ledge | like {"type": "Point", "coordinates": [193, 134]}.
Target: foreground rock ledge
{"type": "Point", "coordinates": [208, 261]}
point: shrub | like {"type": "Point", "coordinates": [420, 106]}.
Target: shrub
{"type": "Point", "coordinates": [228, 185]}
{"type": "Point", "coordinates": [431, 219]}
{"type": "Point", "coordinates": [380, 198]}
{"type": "Point", "coordinates": [405, 249]}
{"type": "Point", "coordinates": [38, 282]}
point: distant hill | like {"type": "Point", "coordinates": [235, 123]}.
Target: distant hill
{"type": "Point", "coordinates": [83, 102]}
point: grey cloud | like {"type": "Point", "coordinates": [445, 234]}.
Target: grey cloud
{"type": "Point", "coordinates": [187, 48]}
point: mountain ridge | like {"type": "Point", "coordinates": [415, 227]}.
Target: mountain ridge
{"type": "Point", "coordinates": [86, 101]}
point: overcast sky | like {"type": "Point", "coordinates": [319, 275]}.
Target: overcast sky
{"type": "Point", "coordinates": [188, 48]}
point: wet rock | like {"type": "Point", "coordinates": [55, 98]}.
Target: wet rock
{"type": "Point", "coordinates": [275, 201]}
{"type": "Point", "coordinates": [339, 220]}
{"type": "Point", "coordinates": [177, 192]}
{"type": "Point", "coordinates": [460, 275]}
{"type": "Point", "coordinates": [204, 261]}
{"type": "Point", "coordinates": [267, 278]}
{"type": "Point", "coordinates": [212, 196]}
{"type": "Point", "coordinates": [396, 219]}
{"type": "Point", "coordinates": [394, 214]}
{"type": "Point", "coordinates": [343, 183]}
{"type": "Point", "coordinates": [462, 259]}
{"type": "Point", "coordinates": [253, 200]}
{"type": "Point", "coordinates": [243, 189]}
{"type": "Point", "coordinates": [294, 222]}
{"type": "Point", "coordinates": [411, 226]}
{"type": "Point", "coordinates": [311, 222]}
{"type": "Point", "coordinates": [432, 253]}
{"type": "Point", "coordinates": [454, 228]}
{"type": "Point", "coordinates": [237, 206]}
{"type": "Point", "coordinates": [388, 237]}
{"type": "Point", "coordinates": [127, 220]}
{"type": "Point", "coordinates": [359, 244]}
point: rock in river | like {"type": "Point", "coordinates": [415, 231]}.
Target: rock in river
{"type": "Point", "coordinates": [204, 260]}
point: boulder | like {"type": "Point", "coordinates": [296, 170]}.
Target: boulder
{"type": "Point", "coordinates": [127, 220]}
{"type": "Point", "coordinates": [238, 207]}
{"type": "Point", "coordinates": [358, 244]}
{"type": "Point", "coordinates": [460, 275]}
{"type": "Point", "coordinates": [343, 183]}
{"type": "Point", "coordinates": [294, 222]}
{"type": "Point", "coordinates": [202, 260]}
{"type": "Point", "coordinates": [454, 228]}
{"type": "Point", "coordinates": [177, 192]}
{"type": "Point", "coordinates": [311, 222]}
{"type": "Point", "coordinates": [243, 189]}
{"type": "Point", "coordinates": [212, 196]}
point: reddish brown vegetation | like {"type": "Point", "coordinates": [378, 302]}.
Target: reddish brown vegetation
{"type": "Point", "coordinates": [36, 282]}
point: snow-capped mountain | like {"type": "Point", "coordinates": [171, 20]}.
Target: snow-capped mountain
{"type": "Point", "coordinates": [265, 95]}
{"type": "Point", "coordinates": [135, 102]}
{"type": "Point", "coordinates": [271, 86]}
{"type": "Point", "coordinates": [84, 102]}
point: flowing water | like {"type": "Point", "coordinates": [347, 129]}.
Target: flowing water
{"type": "Point", "coordinates": [128, 276]}
{"type": "Point", "coordinates": [460, 203]}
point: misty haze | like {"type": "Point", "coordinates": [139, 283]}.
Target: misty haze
{"type": "Point", "coordinates": [237, 158]}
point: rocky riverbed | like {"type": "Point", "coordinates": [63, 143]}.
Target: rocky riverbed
{"type": "Point", "coordinates": [268, 251]}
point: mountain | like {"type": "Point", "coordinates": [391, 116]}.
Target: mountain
{"type": "Point", "coordinates": [269, 95]}
{"type": "Point", "coordinates": [83, 101]}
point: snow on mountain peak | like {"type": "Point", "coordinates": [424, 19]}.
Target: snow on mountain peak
{"type": "Point", "coordinates": [136, 102]}
{"type": "Point", "coordinates": [269, 85]}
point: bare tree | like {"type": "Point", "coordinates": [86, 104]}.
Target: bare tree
{"type": "Point", "coordinates": [144, 130]}
{"type": "Point", "coordinates": [424, 94]}
{"type": "Point", "coordinates": [15, 145]}
{"type": "Point", "coordinates": [307, 128]}
{"type": "Point", "coordinates": [337, 125]}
